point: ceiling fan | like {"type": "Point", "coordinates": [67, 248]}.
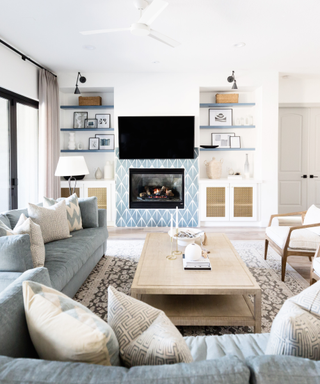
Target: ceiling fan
{"type": "Point", "coordinates": [148, 13]}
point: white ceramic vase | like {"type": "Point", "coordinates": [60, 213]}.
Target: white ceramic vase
{"type": "Point", "coordinates": [98, 175]}
{"type": "Point", "coordinates": [72, 143]}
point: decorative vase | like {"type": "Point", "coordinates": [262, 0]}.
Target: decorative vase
{"type": "Point", "coordinates": [246, 168]}
{"type": "Point", "coordinates": [213, 168]}
{"type": "Point", "coordinates": [72, 143]}
{"type": "Point", "coordinates": [108, 170]}
{"type": "Point", "coordinates": [98, 175]}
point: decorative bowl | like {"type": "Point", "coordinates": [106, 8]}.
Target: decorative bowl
{"type": "Point", "coordinates": [184, 241]}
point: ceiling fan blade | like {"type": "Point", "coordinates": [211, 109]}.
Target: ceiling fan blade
{"type": "Point", "coordinates": [152, 11]}
{"type": "Point", "coordinates": [96, 32]}
{"type": "Point", "coordinates": [163, 38]}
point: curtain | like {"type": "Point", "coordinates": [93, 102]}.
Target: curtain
{"type": "Point", "coordinates": [49, 135]}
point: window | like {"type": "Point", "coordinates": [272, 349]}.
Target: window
{"type": "Point", "coordinates": [18, 150]}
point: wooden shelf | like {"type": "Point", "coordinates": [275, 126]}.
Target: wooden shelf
{"type": "Point", "coordinates": [86, 106]}
{"type": "Point", "coordinates": [87, 150]}
{"type": "Point", "coordinates": [227, 149]}
{"type": "Point", "coordinates": [225, 126]}
{"type": "Point", "coordinates": [88, 129]}
{"type": "Point", "coordinates": [215, 105]}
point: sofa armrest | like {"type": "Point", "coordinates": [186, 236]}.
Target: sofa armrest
{"type": "Point", "coordinates": [102, 217]}
{"type": "Point", "coordinates": [15, 253]}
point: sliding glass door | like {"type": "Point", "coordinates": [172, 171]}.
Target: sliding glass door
{"type": "Point", "coordinates": [19, 140]}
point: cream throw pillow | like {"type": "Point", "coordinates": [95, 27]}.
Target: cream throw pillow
{"type": "Point", "coordinates": [145, 334]}
{"type": "Point", "coordinates": [27, 226]}
{"type": "Point", "coordinates": [63, 330]}
{"type": "Point", "coordinates": [312, 217]}
{"type": "Point", "coordinates": [53, 221]}
{"type": "Point", "coordinates": [73, 210]}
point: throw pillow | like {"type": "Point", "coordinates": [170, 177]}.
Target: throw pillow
{"type": "Point", "coordinates": [63, 330]}
{"type": "Point", "coordinates": [73, 210]}
{"type": "Point", "coordinates": [313, 217]}
{"type": "Point", "coordinates": [295, 330]}
{"type": "Point", "coordinates": [52, 220]}
{"type": "Point", "coordinates": [89, 212]}
{"type": "Point", "coordinates": [145, 334]}
{"type": "Point", "coordinates": [5, 230]}
{"type": "Point", "coordinates": [27, 226]}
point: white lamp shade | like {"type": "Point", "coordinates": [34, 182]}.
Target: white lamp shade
{"type": "Point", "coordinates": [71, 166]}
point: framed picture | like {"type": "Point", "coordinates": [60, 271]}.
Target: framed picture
{"type": "Point", "coordinates": [104, 120]}
{"type": "Point", "coordinates": [91, 123]}
{"type": "Point", "coordinates": [94, 143]}
{"type": "Point", "coordinates": [235, 142]}
{"type": "Point", "coordinates": [106, 141]}
{"type": "Point", "coordinates": [220, 117]}
{"type": "Point", "coordinates": [79, 118]}
{"type": "Point", "coordinates": [221, 139]}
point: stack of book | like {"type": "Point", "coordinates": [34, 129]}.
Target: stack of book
{"type": "Point", "coordinates": [203, 264]}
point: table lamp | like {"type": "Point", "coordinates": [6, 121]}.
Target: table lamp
{"type": "Point", "coordinates": [71, 166]}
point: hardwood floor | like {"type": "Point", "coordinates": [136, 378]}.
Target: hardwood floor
{"type": "Point", "coordinates": [300, 264]}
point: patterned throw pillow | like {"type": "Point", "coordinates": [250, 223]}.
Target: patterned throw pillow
{"type": "Point", "coordinates": [295, 330]}
{"type": "Point", "coordinates": [27, 226]}
{"type": "Point", "coordinates": [73, 210]}
{"type": "Point", "coordinates": [53, 221]}
{"type": "Point", "coordinates": [5, 230]}
{"type": "Point", "coordinates": [145, 334]}
{"type": "Point", "coordinates": [63, 330]}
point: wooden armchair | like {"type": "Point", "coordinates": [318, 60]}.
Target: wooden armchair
{"type": "Point", "coordinates": [315, 267]}
{"type": "Point", "coordinates": [291, 241]}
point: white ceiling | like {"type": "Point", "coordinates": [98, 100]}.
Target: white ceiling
{"type": "Point", "coordinates": [280, 35]}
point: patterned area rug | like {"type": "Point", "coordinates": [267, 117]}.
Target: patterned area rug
{"type": "Point", "coordinates": [119, 266]}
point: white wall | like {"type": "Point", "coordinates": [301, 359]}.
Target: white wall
{"type": "Point", "coordinates": [178, 94]}
{"type": "Point", "coordinates": [17, 75]}
{"type": "Point", "coordinates": [299, 90]}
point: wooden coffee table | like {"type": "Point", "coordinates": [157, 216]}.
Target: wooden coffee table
{"type": "Point", "coordinates": [216, 297]}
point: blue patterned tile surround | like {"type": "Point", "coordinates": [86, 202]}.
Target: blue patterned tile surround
{"type": "Point", "coordinates": [188, 217]}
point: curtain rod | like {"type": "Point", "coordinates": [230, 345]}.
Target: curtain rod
{"type": "Point", "coordinates": [24, 57]}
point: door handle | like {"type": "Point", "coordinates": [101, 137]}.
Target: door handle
{"type": "Point", "coordinates": [304, 176]}
{"type": "Point", "coordinates": [313, 177]}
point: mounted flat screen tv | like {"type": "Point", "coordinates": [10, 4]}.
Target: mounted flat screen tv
{"type": "Point", "coordinates": [156, 137]}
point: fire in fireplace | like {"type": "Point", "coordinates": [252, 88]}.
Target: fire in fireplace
{"type": "Point", "coordinates": [156, 188]}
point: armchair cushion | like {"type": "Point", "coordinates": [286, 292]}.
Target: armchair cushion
{"type": "Point", "coordinates": [300, 238]}
{"type": "Point", "coordinates": [313, 217]}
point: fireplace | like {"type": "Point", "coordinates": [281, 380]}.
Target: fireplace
{"type": "Point", "coordinates": [161, 188]}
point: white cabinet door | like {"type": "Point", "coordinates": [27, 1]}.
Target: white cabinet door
{"type": "Point", "coordinates": [214, 202]}
{"type": "Point", "coordinates": [293, 159]}
{"type": "Point", "coordinates": [314, 158]}
{"type": "Point", "coordinates": [243, 202]}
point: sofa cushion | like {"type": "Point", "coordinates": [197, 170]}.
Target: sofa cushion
{"type": "Point", "coordinates": [313, 217]}
{"type": "Point", "coordinates": [14, 335]}
{"type": "Point", "coordinates": [73, 210]}
{"type": "Point", "coordinates": [295, 330]}
{"type": "Point", "coordinates": [15, 254]}
{"type": "Point", "coordinates": [63, 330]}
{"type": "Point", "coordinates": [213, 347]}
{"type": "Point", "coordinates": [64, 258]}
{"type": "Point", "coordinates": [227, 370]}
{"type": "Point", "coordinates": [5, 220]}
{"type": "Point", "coordinates": [53, 221]}
{"type": "Point", "coordinates": [89, 212]}
{"type": "Point", "coordinates": [145, 334]}
{"type": "Point", "coordinates": [27, 226]}
{"type": "Point", "coordinates": [6, 278]}
{"type": "Point", "coordinates": [283, 370]}
{"type": "Point", "coordinates": [14, 215]}
{"type": "Point", "coordinates": [5, 230]}
{"type": "Point", "coordinates": [299, 239]}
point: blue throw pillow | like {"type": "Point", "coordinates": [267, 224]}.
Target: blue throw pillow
{"type": "Point", "coordinates": [89, 212]}
{"type": "Point", "coordinates": [15, 253]}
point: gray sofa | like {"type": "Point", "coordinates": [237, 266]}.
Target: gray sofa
{"type": "Point", "coordinates": [217, 359]}
{"type": "Point", "coordinates": [69, 261]}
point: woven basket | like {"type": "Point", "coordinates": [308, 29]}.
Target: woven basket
{"type": "Point", "coordinates": [213, 168]}
{"type": "Point", "coordinates": [90, 100]}
{"type": "Point", "coordinates": [227, 98]}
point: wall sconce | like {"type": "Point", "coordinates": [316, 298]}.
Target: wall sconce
{"type": "Point", "coordinates": [82, 80]}
{"type": "Point", "coordinates": [232, 79]}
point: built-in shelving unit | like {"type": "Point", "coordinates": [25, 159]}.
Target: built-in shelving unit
{"type": "Point", "coordinates": [215, 105]}
{"type": "Point", "coordinates": [225, 126]}
{"type": "Point", "coordinates": [86, 106]}
{"type": "Point", "coordinates": [88, 129]}
{"type": "Point", "coordinates": [87, 150]}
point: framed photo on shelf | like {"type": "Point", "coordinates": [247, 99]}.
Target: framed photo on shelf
{"type": "Point", "coordinates": [91, 123]}
{"type": "Point", "coordinates": [235, 142]}
{"type": "Point", "coordinates": [104, 120]}
{"type": "Point", "coordinates": [221, 139]}
{"type": "Point", "coordinates": [220, 117]}
{"type": "Point", "coordinates": [79, 118]}
{"type": "Point", "coordinates": [94, 143]}
{"type": "Point", "coordinates": [106, 141]}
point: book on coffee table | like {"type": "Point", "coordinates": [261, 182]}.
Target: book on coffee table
{"type": "Point", "coordinates": [202, 264]}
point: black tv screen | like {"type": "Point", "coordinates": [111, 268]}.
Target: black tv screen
{"type": "Point", "coordinates": [156, 137]}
